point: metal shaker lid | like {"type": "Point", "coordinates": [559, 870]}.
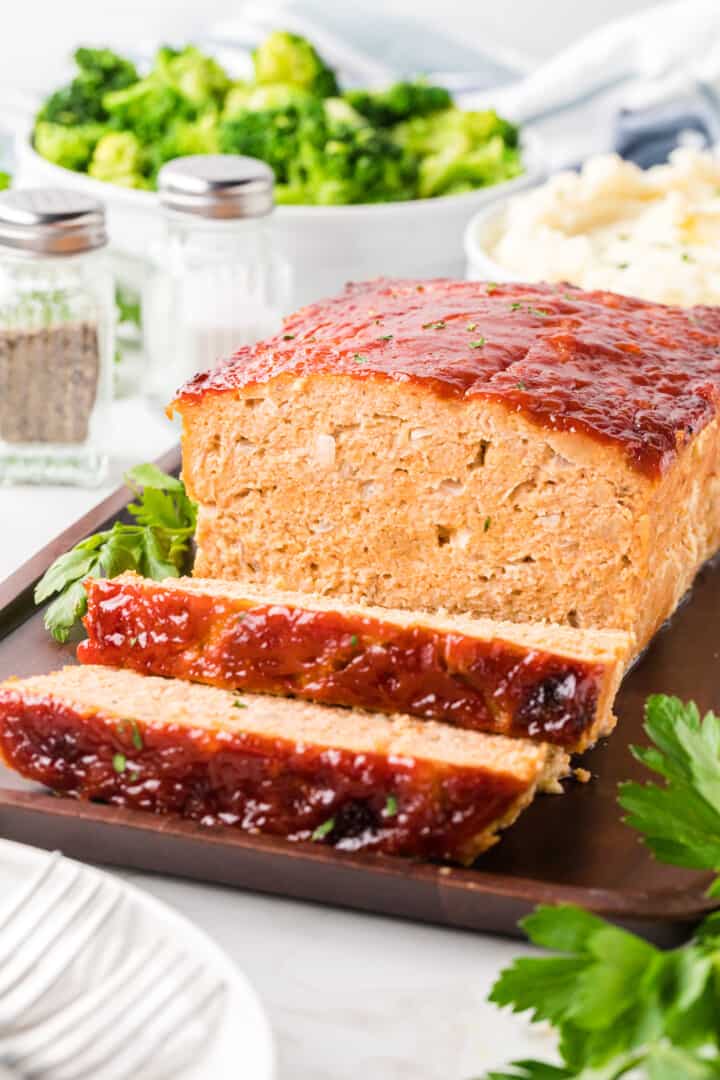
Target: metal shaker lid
{"type": "Point", "coordinates": [51, 221]}
{"type": "Point", "coordinates": [217, 186]}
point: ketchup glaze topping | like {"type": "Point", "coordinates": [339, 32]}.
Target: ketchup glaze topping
{"type": "Point", "coordinates": [642, 376]}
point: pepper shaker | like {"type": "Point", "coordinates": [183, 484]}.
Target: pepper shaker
{"type": "Point", "coordinates": [56, 337]}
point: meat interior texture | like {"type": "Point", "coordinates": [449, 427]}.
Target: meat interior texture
{"type": "Point", "coordinates": [518, 452]}
{"type": "Point", "coordinates": [273, 765]}
{"type": "Point", "coordinates": [544, 682]}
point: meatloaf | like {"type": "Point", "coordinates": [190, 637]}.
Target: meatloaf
{"type": "Point", "coordinates": [521, 452]}
{"type": "Point", "coordinates": [273, 765]}
{"type": "Point", "coordinates": [552, 683]}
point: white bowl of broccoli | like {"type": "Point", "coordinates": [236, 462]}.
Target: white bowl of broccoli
{"type": "Point", "coordinates": [367, 182]}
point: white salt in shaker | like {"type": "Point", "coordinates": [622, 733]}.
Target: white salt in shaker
{"type": "Point", "coordinates": [218, 283]}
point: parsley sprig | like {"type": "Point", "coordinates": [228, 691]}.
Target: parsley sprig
{"type": "Point", "coordinates": [619, 1004]}
{"type": "Point", "coordinates": [157, 545]}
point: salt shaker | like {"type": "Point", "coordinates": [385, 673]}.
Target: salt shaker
{"type": "Point", "coordinates": [56, 337]}
{"type": "Point", "coordinates": [218, 283]}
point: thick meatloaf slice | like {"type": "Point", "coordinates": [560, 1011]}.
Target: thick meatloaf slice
{"type": "Point", "coordinates": [518, 452]}
{"type": "Point", "coordinates": [271, 765]}
{"type": "Point", "coordinates": [552, 683]}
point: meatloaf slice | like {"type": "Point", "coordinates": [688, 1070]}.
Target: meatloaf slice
{"type": "Point", "coordinates": [273, 765]}
{"type": "Point", "coordinates": [552, 683]}
{"type": "Point", "coordinates": [522, 452]}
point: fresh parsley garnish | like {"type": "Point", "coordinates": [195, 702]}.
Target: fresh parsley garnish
{"type": "Point", "coordinates": [323, 830]}
{"type": "Point", "coordinates": [521, 385]}
{"type": "Point", "coordinates": [391, 806]}
{"type": "Point", "coordinates": [386, 337]}
{"type": "Point", "coordinates": [238, 703]}
{"type": "Point", "coordinates": [515, 306]}
{"type": "Point", "coordinates": [623, 265]}
{"type": "Point", "coordinates": [288, 337]}
{"type": "Point", "coordinates": [119, 763]}
{"type": "Point", "coordinates": [487, 523]}
{"type": "Point", "coordinates": [439, 325]}
{"type": "Point", "coordinates": [619, 1004]}
{"type": "Point", "coordinates": [156, 545]}
{"type": "Point", "coordinates": [359, 358]}
{"type": "Point", "coordinates": [354, 640]}
{"type": "Point", "coordinates": [471, 326]}
{"type": "Point", "coordinates": [680, 821]}
{"type": "Point", "coordinates": [477, 344]}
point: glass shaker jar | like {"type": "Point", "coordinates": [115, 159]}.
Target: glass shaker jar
{"type": "Point", "coordinates": [218, 283]}
{"type": "Point", "coordinates": [56, 337]}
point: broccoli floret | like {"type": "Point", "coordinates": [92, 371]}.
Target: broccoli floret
{"type": "Point", "coordinates": [184, 138]}
{"type": "Point", "coordinates": [146, 108]}
{"type": "Point", "coordinates": [460, 151]}
{"type": "Point", "coordinates": [243, 97]}
{"type": "Point", "coordinates": [119, 159]}
{"type": "Point", "coordinates": [274, 135]}
{"type": "Point", "coordinates": [324, 153]}
{"type": "Point", "coordinates": [384, 108]}
{"type": "Point", "coordinates": [81, 102]}
{"type": "Point", "coordinates": [5, 181]}
{"type": "Point", "coordinates": [289, 58]}
{"type": "Point", "coordinates": [71, 147]}
{"type": "Point", "coordinates": [197, 78]}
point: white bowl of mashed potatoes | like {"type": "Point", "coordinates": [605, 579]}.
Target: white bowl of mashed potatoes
{"type": "Point", "coordinates": [652, 233]}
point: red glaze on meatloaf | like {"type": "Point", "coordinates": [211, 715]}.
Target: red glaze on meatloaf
{"type": "Point", "coordinates": [639, 375]}
{"type": "Point", "coordinates": [476, 675]}
{"type": "Point", "coordinates": [269, 765]}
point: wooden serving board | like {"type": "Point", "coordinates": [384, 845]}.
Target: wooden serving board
{"type": "Point", "coordinates": [570, 848]}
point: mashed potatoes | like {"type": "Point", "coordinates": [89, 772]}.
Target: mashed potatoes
{"type": "Point", "coordinates": [651, 233]}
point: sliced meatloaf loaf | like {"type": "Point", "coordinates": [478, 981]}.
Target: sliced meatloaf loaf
{"type": "Point", "coordinates": [273, 765]}
{"type": "Point", "coordinates": [518, 452]}
{"type": "Point", "coordinates": [547, 682]}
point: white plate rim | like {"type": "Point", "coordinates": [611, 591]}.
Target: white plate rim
{"type": "Point", "coordinates": [260, 1054]}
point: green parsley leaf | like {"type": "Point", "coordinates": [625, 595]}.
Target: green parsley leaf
{"type": "Point", "coordinates": [386, 337]}
{"type": "Point", "coordinates": [620, 1005]}
{"type": "Point", "coordinates": [623, 265]}
{"type": "Point", "coordinates": [359, 358]}
{"type": "Point", "coordinates": [680, 821]}
{"type": "Point", "coordinates": [288, 337]}
{"type": "Point", "coordinates": [472, 326]}
{"type": "Point", "coordinates": [239, 704]}
{"type": "Point", "coordinates": [156, 545]}
{"type": "Point", "coordinates": [137, 739]}
{"type": "Point", "coordinates": [119, 762]}
{"type": "Point", "coordinates": [490, 287]}
{"type": "Point", "coordinates": [391, 806]}
{"type": "Point", "coordinates": [439, 325]}
{"type": "Point", "coordinates": [354, 641]}
{"type": "Point", "coordinates": [487, 523]}
{"type": "Point", "coordinates": [323, 830]}
{"type": "Point", "coordinates": [477, 344]}
{"type": "Point", "coordinates": [686, 257]}
{"type": "Point", "coordinates": [515, 306]}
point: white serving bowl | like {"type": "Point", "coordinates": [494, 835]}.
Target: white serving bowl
{"type": "Point", "coordinates": [327, 245]}
{"type": "Point", "coordinates": [481, 234]}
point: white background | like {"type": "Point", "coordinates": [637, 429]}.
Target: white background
{"type": "Point", "coordinates": [351, 997]}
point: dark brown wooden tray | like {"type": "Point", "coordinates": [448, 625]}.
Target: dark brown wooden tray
{"type": "Point", "coordinates": [572, 848]}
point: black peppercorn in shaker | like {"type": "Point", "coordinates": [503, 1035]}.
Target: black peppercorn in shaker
{"type": "Point", "coordinates": [56, 330]}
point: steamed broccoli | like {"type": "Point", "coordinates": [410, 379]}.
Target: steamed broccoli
{"type": "Point", "coordinates": [119, 159]}
{"type": "Point", "coordinates": [365, 146]}
{"type": "Point", "coordinates": [290, 59]}
{"type": "Point", "coordinates": [185, 137]}
{"type": "Point", "coordinates": [383, 108]}
{"type": "Point", "coordinates": [147, 108]}
{"type": "Point", "coordinates": [99, 71]}
{"type": "Point", "coordinates": [245, 97]}
{"type": "Point", "coordinates": [324, 153]}
{"type": "Point", "coordinates": [71, 147]}
{"type": "Point", "coordinates": [5, 181]}
{"type": "Point", "coordinates": [274, 135]}
{"type": "Point", "coordinates": [197, 78]}
{"type": "Point", "coordinates": [460, 151]}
